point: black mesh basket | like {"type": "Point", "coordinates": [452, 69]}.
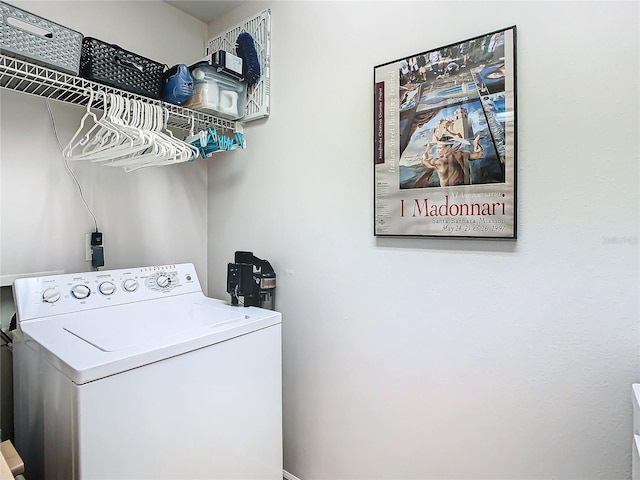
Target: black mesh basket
{"type": "Point", "coordinates": [111, 65]}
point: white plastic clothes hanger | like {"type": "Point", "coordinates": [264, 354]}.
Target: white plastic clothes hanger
{"type": "Point", "coordinates": [185, 152]}
{"type": "Point", "coordinates": [68, 150]}
{"type": "Point", "coordinates": [181, 151]}
{"type": "Point", "coordinates": [105, 135]}
{"type": "Point", "coordinates": [168, 149]}
{"type": "Point", "coordinates": [144, 122]}
{"type": "Point", "coordinates": [132, 138]}
{"type": "Point", "coordinates": [156, 149]}
{"type": "Point", "coordinates": [189, 152]}
{"type": "Point", "coordinates": [192, 137]}
{"type": "Point", "coordinates": [128, 139]}
{"type": "Point", "coordinates": [131, 134]}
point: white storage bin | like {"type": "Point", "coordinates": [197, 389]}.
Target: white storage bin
{"type": "Point", "coordinates": [217, 93]}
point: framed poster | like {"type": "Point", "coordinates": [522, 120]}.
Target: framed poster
{"type": "Point", "coordinates": [445, 141]}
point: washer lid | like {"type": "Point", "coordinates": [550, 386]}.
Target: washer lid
{"type": "Point", "coordinates": [93, 344]}
{"type": "Point", "coordinates": [135, 329]}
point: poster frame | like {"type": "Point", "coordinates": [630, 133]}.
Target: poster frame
{"type": "Point", "coordinates": [445, 141]}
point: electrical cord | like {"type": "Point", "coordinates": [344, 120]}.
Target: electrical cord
{"type": "Point", "coordinates": [6, 338]}
{"type": "Point", "coordinates": [66, 164]}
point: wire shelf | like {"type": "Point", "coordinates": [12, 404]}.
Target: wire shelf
{"type": "Point", "coordinates": [31, 79]}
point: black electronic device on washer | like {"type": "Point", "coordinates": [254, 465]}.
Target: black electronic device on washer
{"type": "Point", "coordinates": [253, 279]}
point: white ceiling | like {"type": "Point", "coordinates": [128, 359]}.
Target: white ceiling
{"type": "Point", "coordinates": [205, 10]}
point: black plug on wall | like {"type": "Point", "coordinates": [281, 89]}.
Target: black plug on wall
{"type": "Point", "coordinates": [97, 251]}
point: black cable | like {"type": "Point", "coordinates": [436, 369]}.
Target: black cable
{"type": "Point", "coordinates": [66, 164]}
{"type": "Point", "coordinates": [5, 337]}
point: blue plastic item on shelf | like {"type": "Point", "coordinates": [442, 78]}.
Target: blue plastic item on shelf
{"type": "Point", "coordinates": [178, 85]}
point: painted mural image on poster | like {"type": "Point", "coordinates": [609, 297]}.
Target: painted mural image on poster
{"type": "Point", "coordinates": [444, 132]}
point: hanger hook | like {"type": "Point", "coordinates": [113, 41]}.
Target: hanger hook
{"type": "Point", "coordinates": [165, 118]}
{"type": "Point", "coordinates": [90, 100]}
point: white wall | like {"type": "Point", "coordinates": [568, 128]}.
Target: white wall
{"type": "Point", "coordinates": [148, 217]}
{"type": "Point", "coordinates": [440, 359]}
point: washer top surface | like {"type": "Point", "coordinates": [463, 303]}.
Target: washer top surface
{"type": "Point", "coordinates": [100, 335]}
{"type": "Point", "coordinates": [116, 329]}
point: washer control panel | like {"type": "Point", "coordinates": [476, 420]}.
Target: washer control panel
{"type": "Point", "coordinates": [38, 297]}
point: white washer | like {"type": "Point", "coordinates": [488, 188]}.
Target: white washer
{"type": "Point", "coordinates": [135, 374]}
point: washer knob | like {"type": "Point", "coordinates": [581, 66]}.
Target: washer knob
{"type": "Point", "coordinates": [107, 288]}
{"type": "Point", "coordinates": [130, 285]}
{"type": "Point", "coordinates": [163, 281]}
{"type": "Point", "coordinates": [50, 295]}
{"type": "Point", "coordinates": [80, 291]}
